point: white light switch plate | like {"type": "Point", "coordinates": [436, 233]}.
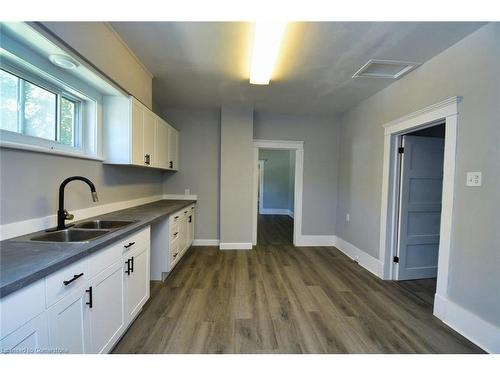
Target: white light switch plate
{"type": "Point", "coordinates": [187, 191]}
{"type": "Point", "coordinates": [347, 217]}
{"type": "Point", "coordinates": [473, 179]}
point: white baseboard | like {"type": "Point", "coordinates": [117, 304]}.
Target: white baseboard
{"type": "Point", "coordinates": [235, 246]}
{"type": "Point", "coordinates": [190, 197]}
{"type": "Point", "coordinates": [482, 333]}
{"type": "Point", "coordinates": [307, 240]}
{"type": "Point", "coordinates": [20, 228]}
{"type": "Point", "coordinates": [200, 242]}
{"type": "Point", "coordinates": [364, 259]}
{"type": "Point", "coordinates": [274, 211]}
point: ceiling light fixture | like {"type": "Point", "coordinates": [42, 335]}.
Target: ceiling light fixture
{"type": "Point", "coordinates": [266, 46]}
{"type": "Point", "coordinates": [63, 61]}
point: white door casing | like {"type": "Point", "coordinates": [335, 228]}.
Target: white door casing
{"type": "Point", "coordinates": [443, 112]}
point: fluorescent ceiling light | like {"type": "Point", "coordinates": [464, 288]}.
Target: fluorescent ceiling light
{"type": "Point", "coordinates": [266, 46]}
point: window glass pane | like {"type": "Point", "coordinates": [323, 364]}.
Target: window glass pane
{"type": "Point", "coordinates": [67, 122]}
{"type": "Point", "coordinates": [39, 112]}
{"type": "Point", "coordinates": [8, 101]}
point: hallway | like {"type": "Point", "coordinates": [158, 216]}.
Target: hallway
{"type": "Point", "coordinates": [274, 230]}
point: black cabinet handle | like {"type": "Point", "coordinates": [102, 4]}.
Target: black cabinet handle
{"type": "Point", "coordinates": [89, 291]}
{"type": "Point", "coordinates": [129, 244]}
{"type": "Point", "coordinates": [73, 279]}
{"type": "Point", "coordinates": [176, 233]}
{"type": "Point", "coordinates": [190, 218]}
{"type": "Point", "coordinates": [176, 217]}
{"type": "Point", "coordinates": [147, 159]}
{"type": "Point", "coordinates": [171, 164]}
{"type": "Point", "coordinates": [128, 267]}
{"type": "Point", "coordinates": [132, 264]}
{"type": "Point", "coordinates": [175, 254]}
{"type": "Point", "coordinates": [185, 212]}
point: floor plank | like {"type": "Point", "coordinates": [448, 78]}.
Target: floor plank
{"type": "Point", "coordinates": [280, 299]}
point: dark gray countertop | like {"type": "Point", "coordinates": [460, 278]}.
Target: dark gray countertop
{"type": "Point", "coordinates": [23, 263]}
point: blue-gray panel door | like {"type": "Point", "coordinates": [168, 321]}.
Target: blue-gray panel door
{"type": "Point", "coordinates": [420, 207]}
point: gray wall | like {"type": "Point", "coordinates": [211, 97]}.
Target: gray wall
{"type": "Point", "coordinates": [236, 182]}
{"type": "Point", "coordinates": [321, 154]}
{"type": "Point", "coordinates": [29, 184]}
{"type": "Point", "coordinates": [276, 179]}
{"type": "Point", "coordinates": [199, 157]}
{"type": "Point", "coordinates": [471, 69]}
{"type": "Point", "coordinates": [100, 44]}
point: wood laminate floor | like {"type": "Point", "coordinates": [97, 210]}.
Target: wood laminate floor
{"type": "Point", "coordinates": [274, 230]}
{"type": "Point", "coordinates": [282, 299]}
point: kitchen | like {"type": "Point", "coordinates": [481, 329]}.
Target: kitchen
{"type": "Point", "coordinates": [130, 188]}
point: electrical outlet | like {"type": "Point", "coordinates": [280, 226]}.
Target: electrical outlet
{"type": "Point", "coordinates": [473, 179]}
{"type": "Point", "coordinates": [347, 217]}
{"type": "Point", "coordinates": [187, 191]}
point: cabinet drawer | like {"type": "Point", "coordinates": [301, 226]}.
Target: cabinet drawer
{"type": "Point", "coordinates": [61, 283]}
{"type": "Point", "coordinates": [20, 307]}
{"type": "Point", "coordinates": [104, 258]}
{"type": "Point", "coordinates": [138, 239]}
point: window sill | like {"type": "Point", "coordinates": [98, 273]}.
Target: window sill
{"type": "Point", "coordinates": [44, 150]}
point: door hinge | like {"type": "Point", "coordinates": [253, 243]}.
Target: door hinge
{"type": "Point", "coordinates": [401, 150]}
{"type": "Point", "coordinates": [396, 259]}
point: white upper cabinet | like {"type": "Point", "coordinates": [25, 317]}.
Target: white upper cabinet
{"type": "Point", "coordinates": [173, 149]}
{"type": "Point", "coordinates": [161, 159]}
{"type": "Point", "coordinates": [134, 135]}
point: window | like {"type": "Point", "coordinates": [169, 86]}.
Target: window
{"type": "Point", "coordinates": [30, 109]}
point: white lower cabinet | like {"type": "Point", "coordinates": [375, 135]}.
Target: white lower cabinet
{"type": "Point", "coordinates": [171, 239]}
{"type": "Point", "coordinates": [106, 315]}
{"type": "Point", "coordinates": [69, 324]}
{"type": "Point", "coordinates": [89, 304]}
{"type": "Point", "coordinates": [32, 337]}
{"type": "Point", "coordinates": [136, 281]}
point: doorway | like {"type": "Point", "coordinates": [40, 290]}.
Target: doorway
{"type": "Point", "coordinates": [445, 112]}
{"type": "Point", "coordinates": [276, 173]}
{"type": "Point", "coordinates": [278, 216]}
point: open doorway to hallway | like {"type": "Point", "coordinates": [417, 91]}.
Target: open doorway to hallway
{"type": "Point", "coordinates": [276, 186]}
{"type": "Point", "coordinates": [419, 202]}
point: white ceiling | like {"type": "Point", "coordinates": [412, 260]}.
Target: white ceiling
{"type": "Point", "coordinates": [205, 64]}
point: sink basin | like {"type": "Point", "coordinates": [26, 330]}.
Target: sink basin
{"type": "Point", "coordinates": [70, 235]}
{"type": "Point", "coordinates": [104, 224]}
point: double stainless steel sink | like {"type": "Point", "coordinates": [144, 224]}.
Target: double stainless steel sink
{"type": "Point", "coordinates": [83, 232]}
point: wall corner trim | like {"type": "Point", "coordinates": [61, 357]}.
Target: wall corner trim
{"type": "Point", "coordinates": [235, 246]}
{"type": "Point", "coordinates": [480, 332]}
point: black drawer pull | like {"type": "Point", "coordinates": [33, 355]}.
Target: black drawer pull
{"type": "Point", "coordinates": [132, 264]}
{"type": "Point", "coordinates": [175, 218]}
{"type": "Point", "coordinates": [190, 218]}
{"type": "Point", "coordinates": [129, 244]}
{"type": "Point", "coordinates": [73, 279]}
{"type": "Point", "coordinates": [175, 254]}
{"type": "Point", "coordinates": [185, 212]}
{"type": "Point", "coordinates": [176, 233]}
{"type": "Point", "coordinates": [89, 291]}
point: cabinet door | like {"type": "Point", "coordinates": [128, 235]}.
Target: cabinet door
{"type": "Point", "coordinates": [173, 148]}
{"type": "Point", "coordinates": [136, 280]}
{"type": "Point", "coordinates": [106, 310]}
{"type": "Point", "coordinates": [69, 323]}
{"type": "Point", "coordinates": [30, 338]}
{"type": "Point", "coordinates": [149, 137]}
{"type": "Point", "coordinates": [137, 131]}
{"type": "Point", "coordinates": [190, 230]}
{"type": "Point", "coordinates": [161, 159]}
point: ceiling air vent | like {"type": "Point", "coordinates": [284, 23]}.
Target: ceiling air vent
{"type": "Point", "coordinates": [388, 69]}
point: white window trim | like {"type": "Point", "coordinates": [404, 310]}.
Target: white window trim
{"type": "Point", "coordinates": [85, 150]}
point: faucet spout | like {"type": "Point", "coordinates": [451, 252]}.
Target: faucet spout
{"type": "Point", "coordinates": [62, 214]}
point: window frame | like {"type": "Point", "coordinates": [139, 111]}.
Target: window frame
{"type": "Point", "coordinates": [59, 92]}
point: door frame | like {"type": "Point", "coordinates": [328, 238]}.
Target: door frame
{"type": "Point", "coordinates": [261, 185]}
{"type": "Point", "coordinates": [443, 112]}
{"type": "Point", "coordinates": [298, 147]}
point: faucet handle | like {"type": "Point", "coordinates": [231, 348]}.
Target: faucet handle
{"type": "Point", "coordinates": [68, 216]}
